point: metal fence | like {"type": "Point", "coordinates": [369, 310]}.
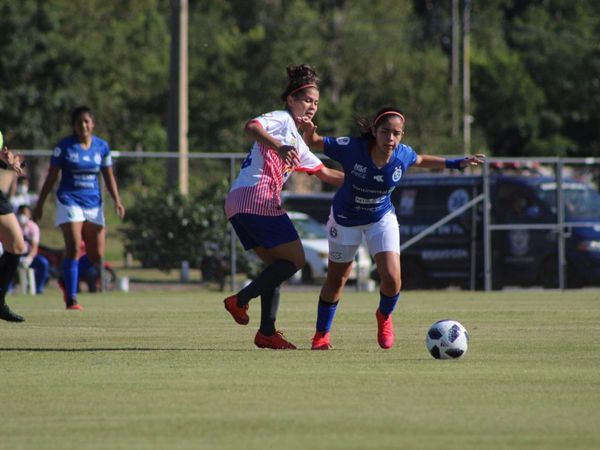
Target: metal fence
{"type": "Point", "coordinates": [558, 169]}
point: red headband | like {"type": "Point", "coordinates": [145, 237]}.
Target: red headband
{"type": "Point", "coordinates": [304, 86]}
{"type": "Point", "coordinates": [386, 113]}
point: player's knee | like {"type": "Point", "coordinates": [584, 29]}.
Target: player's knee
{"type": "Point", "coordinates": [391, 281]}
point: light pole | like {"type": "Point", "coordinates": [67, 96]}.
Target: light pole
{"type": "Point", "coordinates": [178, 97]}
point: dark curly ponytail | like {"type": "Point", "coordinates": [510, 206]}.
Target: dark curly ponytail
{"type": "Point", "coordinates": [299, 78]}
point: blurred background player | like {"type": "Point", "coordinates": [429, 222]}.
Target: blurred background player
{"type": "Point", "coordinates": [253, 205]}
{"type": "Point", "coordinates": [11, 238]}
{"type": "Point", "coordinates": [362, 208]}
{"type": "Point", "coordinates": [79, 210]}
{"type": "Point", "coordinates": [31, 259]}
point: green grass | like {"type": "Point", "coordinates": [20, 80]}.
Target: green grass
{"type": "Point", "coordinates": [156, 370]}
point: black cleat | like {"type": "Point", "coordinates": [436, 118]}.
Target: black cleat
{"type": "Point", "coordinates": [8, 315]}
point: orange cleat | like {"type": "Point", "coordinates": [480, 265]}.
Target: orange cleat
{"type": "Point", "coordinates": [75, 306]}
{"type": "Point", "coordinates": [385, 330]}
{"type": "Point", "coordinates": [276, 342]}
{"type": "Point", "coordinates": [239, 313]}
{"type": "Point", "coordinates": [321, 341]}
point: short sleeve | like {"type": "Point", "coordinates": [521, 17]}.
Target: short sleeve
{"type": "Point", "coordinates": [106, 158]}
{"type": "Point", "coordinates": [56, 158]}
{"type": "Point", "coordinates": [335, 147]}
{"type": "Point", "coordinates": [272, 122]}
{"type": "Point", "coordinates": [309, 162]}
{"type": "Point", "coordinates": [35, 233]}
{"type": "Point", "coordinates": [408, 156]}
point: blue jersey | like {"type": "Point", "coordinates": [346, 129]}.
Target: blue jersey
{"type": "Point", "coordinates": [365, 196]}
{"type": "Point", "coordinates": [80, 169]}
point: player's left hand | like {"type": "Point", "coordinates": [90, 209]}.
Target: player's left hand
{"type": "Point", "coordinates": [120, 209]}
{"type": "Point", "coordinates": [474, 160]}
{"type": "Point", "coordinates": [305, 125]}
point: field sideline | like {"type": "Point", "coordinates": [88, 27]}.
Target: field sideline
{"type": "Point", "coordinates": [158, 370]}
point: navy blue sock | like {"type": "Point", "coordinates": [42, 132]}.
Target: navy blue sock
{"type": "Point", "coordinates": [71, 277]}
{"type": "Point", "coordinates": [269, 305]}
{"type": "Point", "coordinates": [275, 274]}
{"type": "Point", "coordinates": [325, 315]}
{"type": "Point", "coordinates": [387, 304]}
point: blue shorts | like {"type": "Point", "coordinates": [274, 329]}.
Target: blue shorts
{"type": "Point", "coordinates": [263, 231]}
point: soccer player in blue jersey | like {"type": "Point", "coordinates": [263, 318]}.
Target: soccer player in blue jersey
{"type": "Point", "coordinates": [373, 166]}
{"type": "Point", "coordinates": [11, 237]}
{"type": "Point", "coordinates": [79, 213]}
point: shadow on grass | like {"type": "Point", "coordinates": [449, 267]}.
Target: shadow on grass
{"type": "Point", "coordinates": [119, 349]}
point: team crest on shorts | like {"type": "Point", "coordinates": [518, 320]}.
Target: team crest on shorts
{"type": "Point", "coordinates": [333, 232]}
{"type": "Point", "coordinates": [397, 174]}
{"type": "Point", "coordinates": [336, 255]}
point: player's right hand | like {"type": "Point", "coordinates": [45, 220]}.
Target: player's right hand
{"type": "Point", "coordinates": [289, 155]}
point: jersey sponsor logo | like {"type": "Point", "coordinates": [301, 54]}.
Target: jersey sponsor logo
{"type": "Point", "coordinates": [335, 256]}
{"type": "Point", "coordinates": [56, 152]}
{"type": "Point", "coordinates": [73, 157]}
{"type": "Point", "coordinates": [359, 171]}
{"type": "Point", "coordinates": [86, 158]}
{"type": "Point", "coordinates": [369, 201]}
{"type": "Point", "coordinates": [378, 178]}
{"type": "Point", "coordinates": [342, 140]}
{"type": "Point", "coordinates": [397, 174]}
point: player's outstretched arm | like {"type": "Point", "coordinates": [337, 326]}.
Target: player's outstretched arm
{"type": "Point", "coordinates": [436, 162]}
{"type": "Point", "coordinates": [330, 176]}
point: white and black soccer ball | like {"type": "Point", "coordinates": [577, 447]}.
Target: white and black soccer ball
{"type": "Point", "coordinates": [447, 339]}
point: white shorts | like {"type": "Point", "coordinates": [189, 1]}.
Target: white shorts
{"type": "Point", "coordinates": [75, 213]}
{"type": "Point", "coordinates": [381, 236]}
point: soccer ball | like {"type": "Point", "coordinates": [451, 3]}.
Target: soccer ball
{"type": "Point", "coordinates": [447, 339]}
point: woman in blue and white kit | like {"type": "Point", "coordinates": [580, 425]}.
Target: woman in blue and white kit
{"type": "Point", "coordinates": [80, 157]}
{"type": "Point", "coordinates": [373, 166]}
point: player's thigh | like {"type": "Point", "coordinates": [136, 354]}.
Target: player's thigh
{"type": "Point", "coordinates": [71, 232]}
{"type": "Point", "coordinates": [291, 251]}
{"type": "Point", "coordinates": [270, 237]}
{"type": "Point", "coordinates": [11, 235]}
{"type": "Point", "coordinates": [94, 236]}
{"type": "Point", "coordinates": [343, 241]}
{"type": "Point", "coordinates": [388, 265]}
{"type": "Point", "coordinates": [383, 235]}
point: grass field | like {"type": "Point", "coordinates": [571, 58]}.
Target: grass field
{"type": "Point", "coordinates": [158, 370]}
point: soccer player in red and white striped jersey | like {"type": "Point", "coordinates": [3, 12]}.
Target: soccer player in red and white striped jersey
{"type": "Point", "coordinates": [253, 205]}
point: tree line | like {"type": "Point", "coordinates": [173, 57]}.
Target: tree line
{"type": "Point", "coordinates": [535, 70]}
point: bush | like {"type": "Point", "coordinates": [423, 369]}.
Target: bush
{"type": "Point", "coordinates": [161, 231]}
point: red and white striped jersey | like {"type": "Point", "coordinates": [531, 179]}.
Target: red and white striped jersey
{"type": "Point", "coordinates": [257, 189]}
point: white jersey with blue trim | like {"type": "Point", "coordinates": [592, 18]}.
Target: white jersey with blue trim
{"type": "Point", "coordinates": [80, 168]}
{"type": "Point", "coordinates": [365, 196]}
